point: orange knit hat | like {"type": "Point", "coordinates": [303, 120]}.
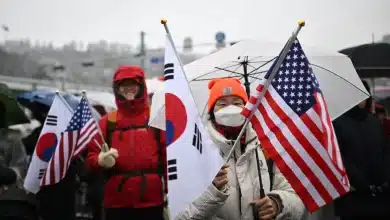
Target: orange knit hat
{"type": "Point", "coordinates": [225, 87]}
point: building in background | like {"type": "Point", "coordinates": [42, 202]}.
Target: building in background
{"type": "Point", "coordinates": [92, 63]}
{"type": "Point", "coordinates": [155, 61]}
{"type": "Point", "coordinates": [386, 38]}
{"type": "Point", "coordinates": [188, 45]}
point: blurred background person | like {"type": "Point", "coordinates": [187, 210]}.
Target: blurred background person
{"type": "Point", "coordinates": [363, 149]}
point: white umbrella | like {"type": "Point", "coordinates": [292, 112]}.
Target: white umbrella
{"type": "Point", "coordinates": [340, 84]}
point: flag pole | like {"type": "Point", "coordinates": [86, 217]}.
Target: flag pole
{"type": "Point", "coordinates": [267, 83]}
{"type": "Point", "coordinates": [164, 22]}
{"type": "Point", "coordinates": [105, 146]}
{"type": "Point", "coordinates": [64, 101]}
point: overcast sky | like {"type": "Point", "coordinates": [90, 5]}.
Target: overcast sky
{"type": "Point", "coordinates": [333, 24]}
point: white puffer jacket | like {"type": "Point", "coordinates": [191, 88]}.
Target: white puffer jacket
{"type": "Point", "coordinates": [242, 174]}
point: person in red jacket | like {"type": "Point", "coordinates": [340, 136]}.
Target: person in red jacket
{"type": "Point", "coordinates": [135, 163]}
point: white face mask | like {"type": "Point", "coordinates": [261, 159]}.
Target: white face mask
{"type": "Point", "coordinates": [230, 116]}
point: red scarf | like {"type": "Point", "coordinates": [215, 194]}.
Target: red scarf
{"type": "Point", "coordinates": [230, 133]}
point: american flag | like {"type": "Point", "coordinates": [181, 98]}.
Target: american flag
{"type": "Point", "coordinates": [79, 132]}
{"type": "Point", "coordinates": [294, 127]}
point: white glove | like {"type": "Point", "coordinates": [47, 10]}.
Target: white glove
{"type": "Point", "coordinates": [108, 159]}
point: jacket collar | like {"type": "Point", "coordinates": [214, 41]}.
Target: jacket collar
{"type": "Point", "coordinates": [225, 145]}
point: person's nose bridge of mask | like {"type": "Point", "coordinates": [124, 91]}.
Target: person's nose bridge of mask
{"type": "Point", "coordinates": [230, 116]}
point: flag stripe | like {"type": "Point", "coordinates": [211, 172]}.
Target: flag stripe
{"type": "Point", "coordinates": [327, 138]}
{"type": "Point", "coordinates": [68, 143]}
{"type": "Point", "coordinates": [87, 126]}
{"type": "Point", "coordinates": [303, 128]}
{"type": "Point", "coordinates": [51, 178]}
{"type": "Point", "coordinates": [63, 157]}
{"type": "Point", "coordinates": [313, 116]}
{"type": "Point", "coordinates": [314, 128]}
{"type": "Point", "coordinates": [310, 119]}
{"type": "Point", "coordinates": [325, 176]}
{"type": "Point", "coordinates": [84, 134]}
{"type": "Point", "coordinates": [293, 173]}
{"type": "Point", "coordinates": [81, 146]}
{"type": "Point", "coordinates": [57, 163]}
{"type": "Point", "coordinates": [295, 149]}
{"type": "Point", "coordinates": [308, 142]}
{"type": "Point", "coordinates": [337, 156]}
{"type": "Point", "coordinates": [246, 112]}
{"type": "Point", "coordinates": [306, 120]}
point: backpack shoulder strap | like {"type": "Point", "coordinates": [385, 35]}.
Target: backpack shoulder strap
{"type": "Point", "coordinates": [157, 135]}
{"type": "Point", "coordinates": [110, 128]}
{"type": "Point", "coordinates": [112, 116]}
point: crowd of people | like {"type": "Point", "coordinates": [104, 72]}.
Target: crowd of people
{"type": "Point", "coordinates": [129, 179]}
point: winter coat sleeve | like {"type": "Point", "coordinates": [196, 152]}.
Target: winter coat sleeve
{"type": "Point", "coordinates": [386, 156]}
{"type": "Point", "coordinates": [386, 159]}
{"type": "Point", "coordinates": [293, 207]}
{"type": "Point", "coordinates": [206, 205]}
{"type": "Point", "coordinates": [356, 177]}
{"type": "Point", "coordinates": [18, 157]}
{"type": "Point", "coordinates": [94, 150]}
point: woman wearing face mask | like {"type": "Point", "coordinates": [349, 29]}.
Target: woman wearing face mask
{"type": "Point", "coordinates": [236, 189]}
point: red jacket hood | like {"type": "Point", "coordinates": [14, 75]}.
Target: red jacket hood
{"type": "Point", "coordinates": [140, 104]}
{"type": "Point", "coordinates": [129, 72]}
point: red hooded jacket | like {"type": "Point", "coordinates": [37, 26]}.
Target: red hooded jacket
{"type": "Point", "coordinates": [135, 180]}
